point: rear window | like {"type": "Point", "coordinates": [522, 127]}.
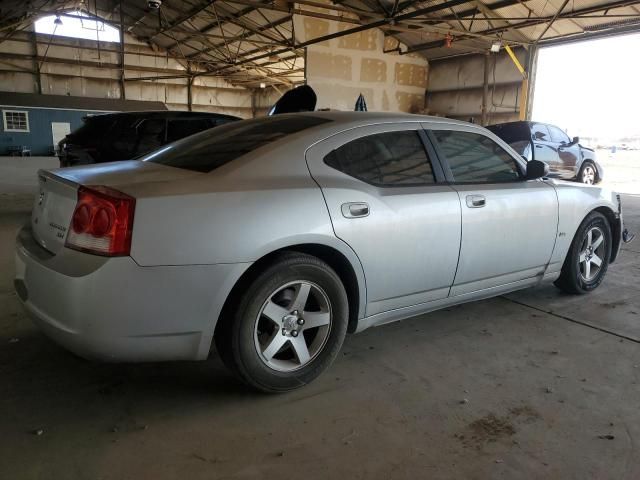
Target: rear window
{"type": "Point", "coordinates": [211, 149]}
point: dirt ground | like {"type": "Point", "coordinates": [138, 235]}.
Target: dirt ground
{"type": "Point", "coordinates": [621, 170]}
{"type": "Point", "coordinates": [537, 384]}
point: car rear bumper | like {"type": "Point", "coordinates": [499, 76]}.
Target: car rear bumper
{"type": "Point", "coordinates": [112, 309]}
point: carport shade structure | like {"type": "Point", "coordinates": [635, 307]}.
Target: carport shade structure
{"type": "Point", "coordinates": [252, 42]}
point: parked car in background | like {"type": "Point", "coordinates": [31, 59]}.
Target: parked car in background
{"type": "Point", "coordinates": [122, 136]}
{"type": "Point", "coordinates": [271, 238]}
{"type": "Point", "coordinates": [567, 159]}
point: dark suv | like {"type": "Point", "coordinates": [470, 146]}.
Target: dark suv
{"type": "Point", "coordinates": [122, 136]}
{"type": "Point", "coordinates": [567, 159]}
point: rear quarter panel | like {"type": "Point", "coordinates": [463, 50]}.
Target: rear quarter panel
{"type": "Point", "coordinates": [237, 214]}
{"type": "Point", "coordinates": [233, 215]}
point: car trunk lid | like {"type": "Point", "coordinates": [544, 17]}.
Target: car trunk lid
{"type": "Point", "coordinates": [52, 210]}
{"type": "Point", "coordinates": [57, 194]}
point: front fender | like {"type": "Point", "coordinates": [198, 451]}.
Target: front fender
{"type": "Point", "coordinates": [575, 202]}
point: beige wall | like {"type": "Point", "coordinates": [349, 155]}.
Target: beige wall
{"type": "Point", "coordinates": [456, 87]}
{"type": "Point", "coordinates": [92, 73]}
{"type": "Point", "coordinates": [342, 68]}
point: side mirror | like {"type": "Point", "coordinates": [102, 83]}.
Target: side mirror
{"type": "Point", "coordinates": [575, 140]}
{"type": "Point", "coordinates": [536, 169]}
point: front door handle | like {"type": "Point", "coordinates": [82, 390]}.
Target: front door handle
{"type": "Point", "coordinates": [538, 146]}
{"type": "Point", "coordinates": [355, 209]}
{"type": "Point", "coordinates": [476, 201]}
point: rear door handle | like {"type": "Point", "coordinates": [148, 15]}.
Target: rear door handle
{"type": "Point", "coordinates": [476, 201]}
{"type": "Point", "coordinates": [538, 146]}
{"type": "Point", "coordinates": [355, 209]}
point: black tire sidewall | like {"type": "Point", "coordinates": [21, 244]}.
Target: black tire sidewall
{"type": "Point", "coordinates": [585, 164]}
{"type": "Point", "coordinates": [595, 219]}
{"type": "Point", "coordinates": [291, 268]}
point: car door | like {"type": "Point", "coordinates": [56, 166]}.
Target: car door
{"type": "Point", "coordinates": [509, 224]}
{"type": "Point", "coordinates": [544, 149]}
{"type": "Point", "coordinates": [381, 190]}
{"type": "Point", "coordinates": [568, 153]}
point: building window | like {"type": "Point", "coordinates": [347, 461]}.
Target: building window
{"type": "Point", "coordinates": [15, 121]}
{"type": "Point", "coordinates": [77, 25]}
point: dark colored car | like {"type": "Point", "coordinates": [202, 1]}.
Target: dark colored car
{"type": "Point", "coordinates": [122, 136]}
{"type": "Point", "coordinates": [567, 159]}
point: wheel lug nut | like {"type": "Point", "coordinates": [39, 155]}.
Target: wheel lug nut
{"type": "Point", "coordinates": [294, 333]}
{"type": "Point", "coordinates": [301, 321]}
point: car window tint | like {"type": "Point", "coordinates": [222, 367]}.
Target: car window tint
{"type": "Point", "coordinates": [475, 158]}
{"type": "Point", "coordinates": [182, 128]}
{"type": "Point", "coordinates": [558, 135]}
{"type": "Point", "coordinates": [540, 132]}
{"type": "Point", "coordinates": [384, 159]}
{"type": "Point", "coordinates": [151, 135]}
{"type": "Point", "coordinates": [124, 135]}
{"type": "Point", "coordinates": [208, 150]}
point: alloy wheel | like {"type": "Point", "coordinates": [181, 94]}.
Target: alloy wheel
{"type": "Point", "coordinates": [592, 254]}
{"type": "Point", "coordinates": [293, 326]}
{"type": "Point", "coordinates": [588, 175]}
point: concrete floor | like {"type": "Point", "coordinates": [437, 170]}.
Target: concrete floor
{"type": "Point", "coordinates": [535, 385]}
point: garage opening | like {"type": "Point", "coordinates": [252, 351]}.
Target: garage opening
{"type": "Point", "coordinates": [595, 99]}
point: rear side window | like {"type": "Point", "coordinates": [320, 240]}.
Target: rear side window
{"type": "Point", "coordinates": [384, 159]}
{"type": "Point", "coordinates": [208, 150]}
{"type": "Point", "coordinates": [474, 158]}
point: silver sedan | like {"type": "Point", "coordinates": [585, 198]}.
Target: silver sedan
{"type": "Point", "coordinates": [272, 238]}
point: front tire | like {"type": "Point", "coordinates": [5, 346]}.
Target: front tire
{"type": "Point", "coordinates": [588, 173]}
{"type": "Point", "coordinates": [288, 326]}
{"type": "Point", "coordinates": [588, 258]}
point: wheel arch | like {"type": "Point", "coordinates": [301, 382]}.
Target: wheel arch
{"type": "Point", "coordinates": [614, 224]}
{"type": "Point", "coordinates": [351, 276]}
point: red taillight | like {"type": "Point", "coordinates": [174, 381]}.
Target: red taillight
{"type": "Point", "coordinates": [102, 222]}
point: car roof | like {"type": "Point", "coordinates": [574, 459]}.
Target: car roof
{"type": "Point", "coordinates": [379, 117]}
{"type": "Point", "coordinates": [164, 114]}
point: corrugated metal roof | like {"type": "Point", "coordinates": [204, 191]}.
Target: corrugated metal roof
{"type": "Point", "coordinates": [251, 41]}
{"type": "Point", "coordinates": [76, 103]}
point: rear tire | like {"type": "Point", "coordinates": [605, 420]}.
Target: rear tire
{"type": "Point", "coordinates": [287, 327]}
{"type": "Point", "coordinates": [588, 258]}
{"type": "Point", "coordinates": [588, 173]}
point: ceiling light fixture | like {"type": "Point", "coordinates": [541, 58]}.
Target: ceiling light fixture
{"type": "Point", "coordinates": [495, 46]}
{"type": "Point", "coordinates": [263, 85]}
{"type": "Point", "coordinates": [57, 21]}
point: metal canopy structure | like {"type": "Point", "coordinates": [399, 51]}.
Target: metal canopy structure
{"type": "Point", "coordinates": [249, 42]}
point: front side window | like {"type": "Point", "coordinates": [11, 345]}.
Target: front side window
{"type": "Point", "coordinates": [208, 150]}
{"type": "Point", "coordinates": [540, 132]}
{"type": "Point", "coordinates": [557, 135]}
{"type": "Point", "coordinates": [15, 121]}
{"type": "Point", "coordinates": [384, 159]}
{"type": "Point", "coordinates": [474, 158]}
